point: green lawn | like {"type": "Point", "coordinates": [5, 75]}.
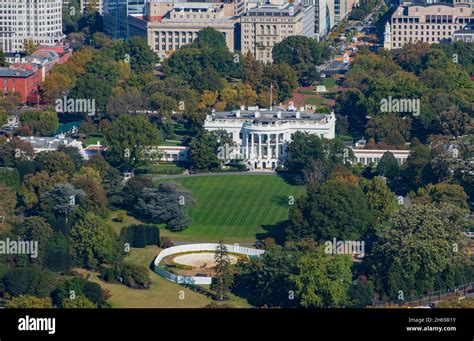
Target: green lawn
{"type": "Point", "coordinates": [171, 143]}
{"type": "Point", "coordinates": [92, 140]}
{"type": "Point", "coordinates": [161, 168]}
{"type": "Point", "coordinates": [314, 100]}
{"type": "Point", "coordinates": [235, 208]}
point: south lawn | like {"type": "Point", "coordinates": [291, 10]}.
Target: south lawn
{"type": "Point", "coordinates": [236, 208]}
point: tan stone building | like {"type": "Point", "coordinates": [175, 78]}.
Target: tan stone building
{"type": "Point", "coordinates": [267, 24]}
{"type": "Point", "coordinates": [428, 23]}
{"type": "Point", "coordinates": [169, 25]}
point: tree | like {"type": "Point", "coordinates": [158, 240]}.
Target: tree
{"type": "Point", "coordinates": [300, 52]}
{"type": "Point", "coordinates": [442, 192]}
{"type": "Point", "coordinates": [334, 209]}
{"type": "Point", "coordinates": [74, 154]}
{"type": "Point", "coordinates": [35, 186]}
{"type": "Point", "coordinates": [10, 177]}
{"type": "Point", "coordinates": [63, 200]}
{"type": "Point", "coordinates": [2, 59]}
{"type": "Point", "coordinates": [15, 150]}
{"type": "Point", "coordinates": [283, 78]}
{"type": "Point", "coordinates": [29, 302]}
{"type": "Point", "coordinates": [380, 199]}
{"type": "Point", "coordinates": [203, 150]}
{"type": "Point", "coordinates": [452, 122]}
{"type": "Point", "coordinates": [388, 165]}
{"type": "Point", "coordinates": [128, 138]}
{"type": "Point", "coordinates": [125, 102]}
{"type": "Point", "coordinates": [222, 280]}
{"type": "Point", "coordinates": [41, 122]}
{"type": "Point", "coordinates": [56, 161]}
{"type": "Point", "coordinates": [312, 158]}
{"type": "Point", "coordinates": [417, 169]}
{"type": "Point", "coordinates": [38, 230]}
{"type": "Point", "coordinates": [55, 86]}
{"type": "Point", "coordinates": [93, 241]}
{"type": "Point", "coordinates": [391, 130]}
{"type": "Point", "coordinates": [3, 117]}
{"type": "Point", "coordinates": [166, 204]}
{"type": "Point", "coordinates": [29, 46]}
{"type": "Point", "coordinates": [133, 189]}
{"type": "Point", "coordinates": [29, 281]}
{"type": "Point", "coordinates": [424, 241]}
{"type": "Point", "coordinates": [95, 199]}
{"type": "Point", "coordinates": [78, 302]}
{"type": "Point", "coordinates": [142, 58]}
{"type": "Point", "coordinates": [322, 280]}
{"type": "Point", "coordinates": [8, 203]}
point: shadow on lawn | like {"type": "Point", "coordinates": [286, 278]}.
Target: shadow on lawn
{"type": "Point", "coordinates": [275, 231]}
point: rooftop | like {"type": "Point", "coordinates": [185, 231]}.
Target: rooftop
{"type": "Point", "coordinates": [265, 115]}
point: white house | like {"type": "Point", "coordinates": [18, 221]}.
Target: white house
{"type": "Point", "coordinates": [261, 136]}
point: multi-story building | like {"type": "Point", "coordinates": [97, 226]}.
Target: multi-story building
{"type": "Point", "coordinates": [429, 23]}
{"type": "Point", "coordinates": [465, 35]}
{"type": "Point", "coordinates": [340, 9]}
{"type": "Point", "coordinates": [24, 74]}
{"type": "Point", "coordinates": [469, 2]}
{"type": "Point", "coordinates": [322, 17]}
{"type": "Point", "coordinates": [269, 23]}
{"type": "Point", "coordinates": [115, 13]}
{"type": "Point", "coordinates": [37, 20]}
{"type": "Point", "coordinates": [169, 25]}
{"type": "Point", "coordinates": [372, 156]}
{"type": "Point", "coordinates": [261, 136]}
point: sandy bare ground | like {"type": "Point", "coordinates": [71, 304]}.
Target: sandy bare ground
{"type": "Point", "coordinates": [203, 260]}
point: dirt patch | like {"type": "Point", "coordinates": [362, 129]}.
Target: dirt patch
{"type": "Point", "coordinates": [200, 260]}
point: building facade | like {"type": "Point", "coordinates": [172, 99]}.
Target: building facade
{"type": "Point", "coordinates": [372, 156]}
{"type": "Point", "coordinates": [115, 18]}
{"type": "Point", "coordinates": [261, 136]}
{"type": "Point", "coordinates": [267, 24]}
{"type": "Point", "coordinates": [36, 20]}
{"type": "Point", "coordinates": [169, 25]}
{"type": "Point", "coordinates": [429, 23]}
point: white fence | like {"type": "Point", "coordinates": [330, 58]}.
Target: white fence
{"type": "Point", "coordinates": [235, 248]}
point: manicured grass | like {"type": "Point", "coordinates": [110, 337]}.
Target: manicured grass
{"type": "Point", "coordinates": [162, 168]}
{"type": "Point", "coordinates": [171, 143]}
{"type": "Point", "coordinates": [161, 294]}
{"type": "Point", "coordinates": [92, 140]}
{"type": "Point", "coordinates": [235, 208]}
{"type": "Point", "coordinates": [329, 83]}
{"type": "Point", "coordinates": [314, 100]}
{"type": "Point", "coordinates": [117, 226]}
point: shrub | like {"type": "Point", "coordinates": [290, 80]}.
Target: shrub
{"type": "Point", "coordinates": [140, 235]}
{"type": "Point", "coordinates": [165, 242]}
{"type": "Point", "coordinates": [135, 276]}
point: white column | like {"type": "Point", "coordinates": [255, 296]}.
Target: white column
{"type": "Point", "coordinates": [246, 156]}
{"type": "Point", "coordinates": [252, 149]}
{"type": "Point", "coordinates": [259, 147]}
{"type": "Point", "coordinates": [276, 145]}
{"type": "Point", "coordinates": [269, 153]}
